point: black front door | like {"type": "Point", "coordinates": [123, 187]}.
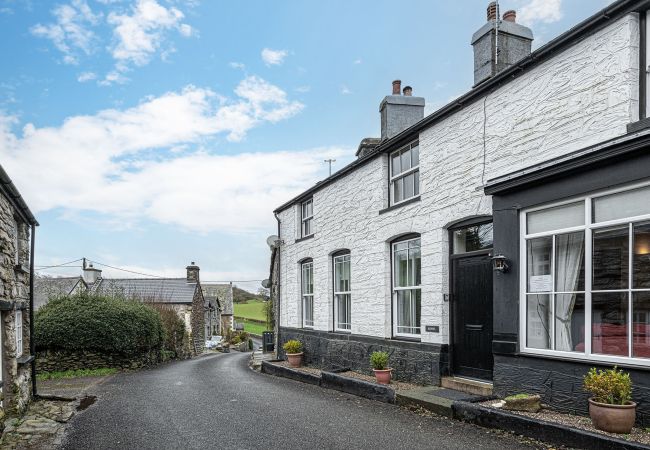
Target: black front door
{"type": "Point", "coordinates": [472, 316]}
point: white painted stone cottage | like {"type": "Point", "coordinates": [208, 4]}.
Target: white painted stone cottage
{"type": "Point", "coordinates": [428, 245]}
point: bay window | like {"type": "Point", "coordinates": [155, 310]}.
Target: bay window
{"type": "Point", "coordinates": [307, 288]}
{"type": "Point", "coordinates": [405, 173]}
{"type": "Point", "coordinates": [342, 292]}
{"type": "Point", "coordinates": [586, 283]}
{"type": "Point", "coordinates": [407, 297]}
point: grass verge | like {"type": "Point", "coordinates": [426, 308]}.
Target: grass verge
{"type": "Point", "coordinates": [75, 373]}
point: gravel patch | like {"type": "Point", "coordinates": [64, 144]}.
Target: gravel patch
{"type": "Point", "coordinates": [310, 370]}
{"type": "Point", "coordinates": [396, 385]}
{"type": "Point", "coordinates": [584, 423]}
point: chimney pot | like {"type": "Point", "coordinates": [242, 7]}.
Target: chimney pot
{"type": "Point", "coordinates": [510, 16]}
{"type": "Point", "coordinates": [397, 87]}
{"type": "Point", "coordinates": [492, 11]}
{"type": "Point", "coordinates": [408, 91]}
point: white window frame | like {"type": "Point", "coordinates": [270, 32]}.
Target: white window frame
{"type": "Point", "coordinates": [647, 63]}
{"type": "Point", "coordinates": [402, 174]}
{"type": "Point", "coordinates": [588, 229]}
{"type": "Point", "coordinates": [305, 297]}
{"type": "Point", "coordinates": [339, 260]}
{"type": "Point", "coordinates": [306, 220]}
{"type": "Point", "coordinates": [396, 288]}
{"type": "Point", "coordinates": [19, 333]}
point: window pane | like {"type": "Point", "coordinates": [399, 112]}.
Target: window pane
{"type": "Point", "coordinates": [408, 311]}
{"type": "Point", "coordinates": [415, 155]}
{"type": "Point", "coordinates": [570, 322]}
{"type": "Point", "coordinates": [570, 262]}
{"type": "Point", "coordinates": [641, 325]}
{"type": "Point", "coordinates": [343, 311]}
{"type": "Point", "coordinates": [406, 160]}
{"type": "Point", "coordinates": [609, 319]}
{"type": "Point", "coordinates": [610, 260]}
{"type": "Point", "coordinates": [623, 204]}
{"type": "Point", "coordinates": [470, 239]}
{"type": "Point", "coordinates": [641, 262]}
{"type": "Point", "coordinates": [539, 264]}
{"type": "Point", "coordinates": [538, 313]}
{"type": "Point", "coordinates": [308, 305]}
{"type": "Point", "coordinates": [417, 182]}
{"type": "Point", "coordinates": [401, 268]}
{"type": "Point", "coordinates": [397, 190]}
{"type": "Point", "coordinates": [408, 186]}
{"type": "Point", "coordinates": [395, 164]}
{"type": "Point", "coordinates": [342, 273]}
{"type": "Point", "coordinates": [415, 261]}
{"type": "Point", "coordinates": [564, 216]}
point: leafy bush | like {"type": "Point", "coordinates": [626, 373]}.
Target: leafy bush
{"type": "Point", "coordinates": [176, 342]}
{"type": "Point", "coordinates": [96, 322]}
{"type": "Point", "coordinates": [292, 346]}
{"type": "Point", "coordinates": [611, 386]}
{"type": "Point", "coordinates": [379, 360]}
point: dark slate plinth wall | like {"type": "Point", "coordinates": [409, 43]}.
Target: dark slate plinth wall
{"type": "Point", "coordinates": [413, 362]}
{"type": "Point", "coordinates": [560, 383]}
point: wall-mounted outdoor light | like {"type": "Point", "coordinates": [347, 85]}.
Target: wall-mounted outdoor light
{"type": "Point", "coordinates": [500, 263]}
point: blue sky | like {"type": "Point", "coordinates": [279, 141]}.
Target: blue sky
{"type": "Point", "coordinates": [146, 134]}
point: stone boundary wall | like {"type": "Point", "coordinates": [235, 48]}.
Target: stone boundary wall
{"type": "Point", "coordinates": [61, 360]}
{"type": "Point", "coordinates": [413, 362]}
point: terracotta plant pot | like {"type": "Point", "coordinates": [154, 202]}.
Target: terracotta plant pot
{"type": "Point", "coordinates": [383, 376]}
{"type": "Point", "coordinates": [612, 418]}
{"type": "Point", "coordinates": [295, 359]}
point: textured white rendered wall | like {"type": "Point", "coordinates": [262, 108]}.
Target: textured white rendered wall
{"type": "Point", "coordinates": [582, 96]}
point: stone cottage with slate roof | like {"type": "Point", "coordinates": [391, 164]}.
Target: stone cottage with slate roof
{"type": "Point", "coordinates": [501, 241]}
{"type": "Point", "coordinates": [50, 287]}
{"type": "Point", "coordinates": [17, 370]}
{"type": "Point", "coordinates": [184, 295]}
{"type": "Point", "coordinates": [223, 293]}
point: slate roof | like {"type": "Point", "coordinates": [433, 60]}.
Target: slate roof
{"type": "Point", "coordinates": [223, 292]}
{"type": "Point", "coordinates": [47, 287]}
{"type": "Point", "coordinates": [162, 290]}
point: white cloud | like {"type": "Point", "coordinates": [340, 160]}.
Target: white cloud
{"type": "Point", "coordinates": [86, 76]}
{"type": "Point", "coordinates": [149, 162]}
{"type": "Point", "coordinates": [357, 61]}
{"type": "Point", "coordinates": [70, 33]}
{"type": "Point", "coordinates": [141, 34]}
{"type": "Point", "coordinates": [535, 11]}
{"type": "Point", "coordinates": [345, 90]}
{"type": "Point", "coordinates": [237, 65]}
{"type": "Point", "coordinates": [273, 57]}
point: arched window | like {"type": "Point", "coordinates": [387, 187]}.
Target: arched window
{"type": "Point", "coordinates": [307, 292]}
{"type": "Point", "coordinates": [342, 290]}
{"type": "Point", "coordinates": [407, 296]}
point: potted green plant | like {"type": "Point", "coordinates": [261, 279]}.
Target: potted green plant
{"type": "Point", "coordinates": [293, 349]}
{"type": "Point", "coordinates": [611, 407]}
{"type": "Point", "coordinates": [379, 364]}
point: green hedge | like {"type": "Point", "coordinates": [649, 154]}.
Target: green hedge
{"type": "Point", "coordinates": [94, 322]}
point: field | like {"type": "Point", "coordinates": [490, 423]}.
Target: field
{"type": "Point", "coordinates": [253, 309]}
{"type": "Point", "coordinates": [253, 327]}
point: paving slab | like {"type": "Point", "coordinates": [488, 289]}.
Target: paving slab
{"type": "Point", "coordinates": [435, 399]}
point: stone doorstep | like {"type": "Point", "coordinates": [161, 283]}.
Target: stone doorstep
{"type": "Point", "coordinates": [438, 400]}
{"type": "Point", "coordinates": [470, 386]}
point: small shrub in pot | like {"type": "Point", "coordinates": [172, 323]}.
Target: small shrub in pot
{"type": "Point", "coordinates": [611, 407]}
{"type": "Point", "coordinates": [293, 349]}
{"type": "Point", "coordinates": [379, 364]}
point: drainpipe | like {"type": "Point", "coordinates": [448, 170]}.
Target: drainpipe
{"type": "Point", "coordinates": [277, 308]}
{"type": "Point", "coordinates": [32, 344]}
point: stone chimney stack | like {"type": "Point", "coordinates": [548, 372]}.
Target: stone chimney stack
{"type": "Point", "coordinates": [398, 112]}
{"type": "Point", "coordinates": [90, 274]}
{"type": "Point", "coordinates": [499, 44]}
{"type": "Point", "coordinates": [192, 273]}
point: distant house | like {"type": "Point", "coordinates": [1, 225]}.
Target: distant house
{"type": "Point", "coordinates": [17, 226]}
{"type": "Point", "coordinates": [223, 294]}
{"type": "Point", "coordinates": [46, 288]}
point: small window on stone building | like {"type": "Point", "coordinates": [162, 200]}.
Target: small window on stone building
{"type": "Point", "coordinates": [307, 218]}
{"type": "Point", "coordinates": [405, 173]}
{"type": "Point", "coordinates": [19, 333]}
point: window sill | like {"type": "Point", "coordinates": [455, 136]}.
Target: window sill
{"type": "Point", "coordinates": [406, 338]}
{"type": "Point", "coordinates": [399, 205]}
{"type": "Point", "coordinates": [638, 125]}
{"type": "Point", "coordinates": [303, 238]}
{"type": "Point", "coordinates": [25, 359]}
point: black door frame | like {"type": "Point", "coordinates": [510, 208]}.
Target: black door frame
{"type": "Point", "coordinates": [453, 226]}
